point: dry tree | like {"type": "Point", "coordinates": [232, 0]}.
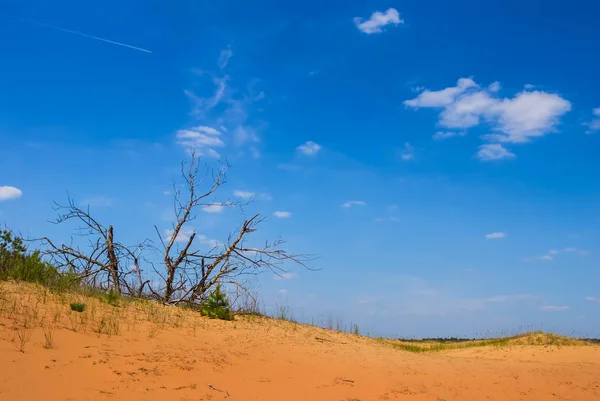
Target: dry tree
{"type": "Point", "coordinates": [186, 273]}
{"type": "Point", "coordinates": [101, 265]}
{"type": "Point", "coordinates": [189, 274]}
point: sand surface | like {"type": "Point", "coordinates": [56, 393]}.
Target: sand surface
{"type": "Point", "coordinates": [187, 358]}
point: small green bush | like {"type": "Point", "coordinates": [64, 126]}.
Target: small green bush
{"type": "Point", "coordinates": [216, 306]}
{"type": "Point", "coordinates": [17, 263]}
{"type": "Point", "coordinates": [77, 307]}
{"type": "Point", "coordinates": [112, 297]}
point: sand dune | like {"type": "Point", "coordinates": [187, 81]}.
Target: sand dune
{"type": "Point", "coordinates": [141, 351]}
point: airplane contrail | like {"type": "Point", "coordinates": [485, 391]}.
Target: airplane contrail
{"type": "Point", "coordinates": [85, 35]}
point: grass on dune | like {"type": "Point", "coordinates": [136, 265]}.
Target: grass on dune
{"type": "Point", "coordinates": [534, 338]}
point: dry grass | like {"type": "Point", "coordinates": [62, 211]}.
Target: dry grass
{"type": "Point", "coordinates": [29, 307]}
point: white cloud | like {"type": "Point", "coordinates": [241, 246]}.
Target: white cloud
{"type": "Point", "coordinates": [417, 88]}
{"type": "Point", "coordinates": [529, 86]}
{"type": "Point", "coordinates": [8, 192]}
{"type": "Point", "coordinates": [443, 97]}
{"type": "Point", "coordinates": [378, 20]}
{"type": "Point", "coordinates": [552, 252]}
{"type": "Point", "coordinates": [494, 87]}
{"type": "Point", "coordinates": [577, 251]}
{"type": "Point", "coordinates": [282, 214]}
{"type": "Point", "coordinates": [202, 139]}
{"type": "Point", "coordinates": [555, 308]}
{"type": "Point", "coordinates": [441, 135]}
{"type": "Point", "coordinates": [224, 58]}
{"type": "Point", "coordinates": [309, 148]}
{"type": "Point", "coordinates": [594, 125]}
{"type": "Point", "coordinates": [494, 151]}
{"type": "Point", "coordinates": [495, 235]}
{"type": "Point", "coordinates": [244, 194]}
{"type": "Point", "coordinates": [527, 115]}
{"type": "Point", "coordinates": [592, 299]}
{"type": "Point", "coordinates": [546, 258]}
{"type": "Point", "coordinates": [215, 208]}
{"type": "Point", "coordinates": [284, 276]}
{"type": "Point", "coordinates": [183, 235]}
{"type": "Point", "coordinates": [408, 153]}
{"type": "Point", "coordinates": [353, 203]}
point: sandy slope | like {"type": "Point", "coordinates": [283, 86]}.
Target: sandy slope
{"type": "Point", "coordinates": [182, 357]}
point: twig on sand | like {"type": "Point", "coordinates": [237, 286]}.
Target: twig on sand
{"type": "Point", "coordinates": [210, 386]}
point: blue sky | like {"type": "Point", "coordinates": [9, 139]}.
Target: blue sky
{"type": "Point", "coordinates": [439, 157]}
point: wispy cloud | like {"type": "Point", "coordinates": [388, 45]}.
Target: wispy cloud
{"type": "Point", "coordinates": [353, 203]}
{"type": "Point", "coordinates": [280, 214]}
{"type": "Point", "coordinates": [227, 109]}
{"type": "Point", "coordinates": [224, 57]}
{"type": "Point", "coordinates": [408, 152]}
{"type": "Point", "coordinates": [494, 151]}
{"type": "Point", "coordinates": [554, 308]}
{"type": "Point", "coordinates": [378, 20]}
{"type": "Point", "coordinates": [244, 194]}
{"type": "Point", "coordinates": [594, 124]}
{"type": "Point", "coordinates": [284, 276]}
{"type": "Point", "coordinates": [495, 235]}
{"type": "Point", "coordinates": [309, 148]}
{"type": "Point", "coordinates": [215, 208]}
{"type": "Point", "coordinates": [577, 251]}
{"type": "Point", "coordinates": [592, 299]}
{"type": "Point", "coordinates": [548, 257]}
{"type": "Point", "coordinates": [202, 139]}
{"type": "Point", "coordinates": [441, 135]}
{"type": "Point", "coordinates": [184, 236]}
{"type": "Point", "coordinates": [7, 193]}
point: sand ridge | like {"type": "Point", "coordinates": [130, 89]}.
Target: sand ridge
{"type": "Point", "coordinates": [160, 353]}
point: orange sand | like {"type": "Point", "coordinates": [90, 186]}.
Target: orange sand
{"type": "Point", "coordinates": [180, 356]}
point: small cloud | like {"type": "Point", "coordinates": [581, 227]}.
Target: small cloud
{"type": "Point", "coordinates": [546, 258]}
{"type": "Point", "coordinates": [408, 153]}
{"type": "Point", "coordinates": [378, 20]}
{"type": "Point", "coordinates": [282, 292]}
{"type": "Point", "coordinates": [577, 251]}
{"type": "Point", "coordinates": [592, 299]}
{"type": "Point", "coordinates": [353, 203]}
{"type": "Point", "coordinates": [417, 88]}
{"type": "Point", "coordinates": [494, 87]}
{"type": "Point", "coordinates": [215, 208]}
{"type": "Point", "coordinates": [309, 148]}
{"type": "Point", "coordinates": [202, 139]}
{"type": "Point", "coordinates": [280, 214]}
{"type": "Point", "coordinates": [552, 252]}
{"type": "Point", "coordinates": [495, 235]}
{"type": "Point", "coordinates": [594, 124]}
{"type": "Point", "coordinates": [166, 193]}
{"type": "Point", "coordinates": [8, 193]}
{"type": "Point", "coordinates": [555, 308]}
{"type": "Point", "coordinates": [494, 151]}
{"type": "Point", "coordinates": [284, 276]}
{"type": "Point", "coordinates": [441, 135]}
{"type": "Point", "coordinates": [244, 194]}
{"type": "Point", "coordinates": [529, 86]}
{"type": "Point", "coordinates": [224, 57]}
{"type": "Point", "coordinates": [183, 235]}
